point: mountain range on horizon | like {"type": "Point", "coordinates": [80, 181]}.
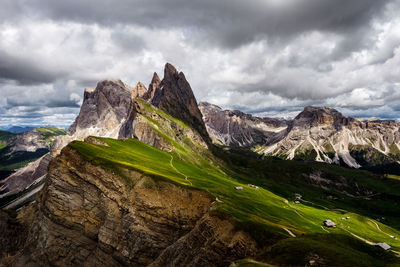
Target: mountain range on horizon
{"type": "Point", "coordinates": [150, 177]}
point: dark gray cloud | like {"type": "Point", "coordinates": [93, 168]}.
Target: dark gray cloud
{"type": "Point", "coordinates": [228, 22]}
{"type": "Point", "coordinates": [265, 57]}
{"type": "Point", "coordinates": [26, 70]}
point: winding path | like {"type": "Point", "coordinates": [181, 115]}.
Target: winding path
{"type": "Point", "coordinates": [184, 175]}
{"type": "Point", "coordinates": [377, 226]}
{"type": "Point", "coordinates": [359, 237]}
{"type": "Point", "coordinates": [289, 232]}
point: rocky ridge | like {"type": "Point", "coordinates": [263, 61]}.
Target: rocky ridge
{"type": "Point", "coordinates": [238, 129]}
{"type": "Point", "coordinates": [116, 110]}
{"type": "Point", "coordinates": [317, 133]}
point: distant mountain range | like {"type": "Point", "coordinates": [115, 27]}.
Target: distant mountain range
{"type": "Point", "coordinates": [317, 133]}
{"type": "Point", "coordinates": [19, 149]}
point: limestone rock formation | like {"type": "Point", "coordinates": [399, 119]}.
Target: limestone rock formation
{"type": "Point", "coordinates": [237, 129]}
{"type": "Point", "coordinates": [177, 99]}
{"type": "Point", "coordinates": [324, 134]}
{"type": "Point", "coordinates": [29, 176]}
{"type": "Point", "coordinates": [154, 88]}
{"type": "Point", "coordinates": [317, 133]}
{"type": "Point", "coordinates": [139, 91]}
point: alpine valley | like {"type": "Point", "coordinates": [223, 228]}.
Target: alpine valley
{"type": "Point", "coordinates": [148, 177]}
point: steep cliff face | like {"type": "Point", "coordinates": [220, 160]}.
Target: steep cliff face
{"type": "Point", "coordinates": [139, 91]}
{"type": "Point", "coordinates": [177, 99]}
{"type": "Point", "coordinates": [235, 128]}
{"type": "Point", "coordinates": [103, 112]}
{"type": "Point", "coordinates": [154, 88]}
{"type": "Point", "coordinates": [89, 216]}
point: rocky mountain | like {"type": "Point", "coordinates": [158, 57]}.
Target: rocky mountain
{"type": "Point", "coordinates": [317, 133]}
{"type": "Point", "coordinates": [17, 150]}
{"type": "Point", "coordinates": [116, 110]}
{"type": "Point", "coordinates": [175, 96]}
{"type": "Point", "coordinates": [324, 134]}
{"type": "Point", "coordinates": [237, 129]}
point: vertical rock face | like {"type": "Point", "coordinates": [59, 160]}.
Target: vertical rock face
{"type": "Point", "coordinates": [177, 99]}
{"type": "Point", "coordinates": [103, 110]}
{"type": "Point", "coordinates": [154, 88]}
{"type": "Point", "coordinates": [87, 216]}
{"type": "Point", "coordinates": [139, 91]}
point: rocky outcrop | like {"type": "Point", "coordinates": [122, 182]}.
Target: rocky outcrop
{"type": "Point", "coordinates": [154, 88]}
{"type": "Point", "coordinates": [30, 141]}
{"type": "Point", "coordinates": [213, 242]}
{"type": "Point", "coordinates": [139, 91]}
{"type": "Point", "coordinates": [23, 178]}
{"type": "Point", "coordinates": [237, 129]}
{"type": "Point", "coordinates": [103, 110]}
{"type": "Point", "coordinates": [177, 99]}
{"type": "Point", "coordinates": [89, 216]}
{"type": "Point", "coordinates": [316, 116]}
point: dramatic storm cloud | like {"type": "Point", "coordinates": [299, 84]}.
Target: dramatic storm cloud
{"type": "Point", "coordinates": [269, 57]}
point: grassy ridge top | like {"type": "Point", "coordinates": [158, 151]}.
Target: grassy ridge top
{"type": "Point", "coordinates": [258, 206]}
{"type": "Point", "coordinates": [51, 131]}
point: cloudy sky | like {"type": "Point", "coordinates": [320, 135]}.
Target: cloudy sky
{"type": "Point", "coordinates": [267, 57]}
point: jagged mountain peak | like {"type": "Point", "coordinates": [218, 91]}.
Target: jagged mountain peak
{"type": "Point", "coordinates": [139, 91]}
{"type": "Point", "coordinates": [176, 98]}
{"type": "Point", "coordinates": [155, 78]}
{"type": "Point", "coordinates": [169, 70]}
{"type": "Point", "coordinates": [111, 108]}
{"type": "Point", "coordinates": [154, 88]}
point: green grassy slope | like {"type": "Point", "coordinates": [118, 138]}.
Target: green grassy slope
{"type": "Point", "coordinates": [268, 213]}
{"type": "Point", "coordinates": [51, 131]}
{"type": "Point", "coordinates": [258, 206]}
